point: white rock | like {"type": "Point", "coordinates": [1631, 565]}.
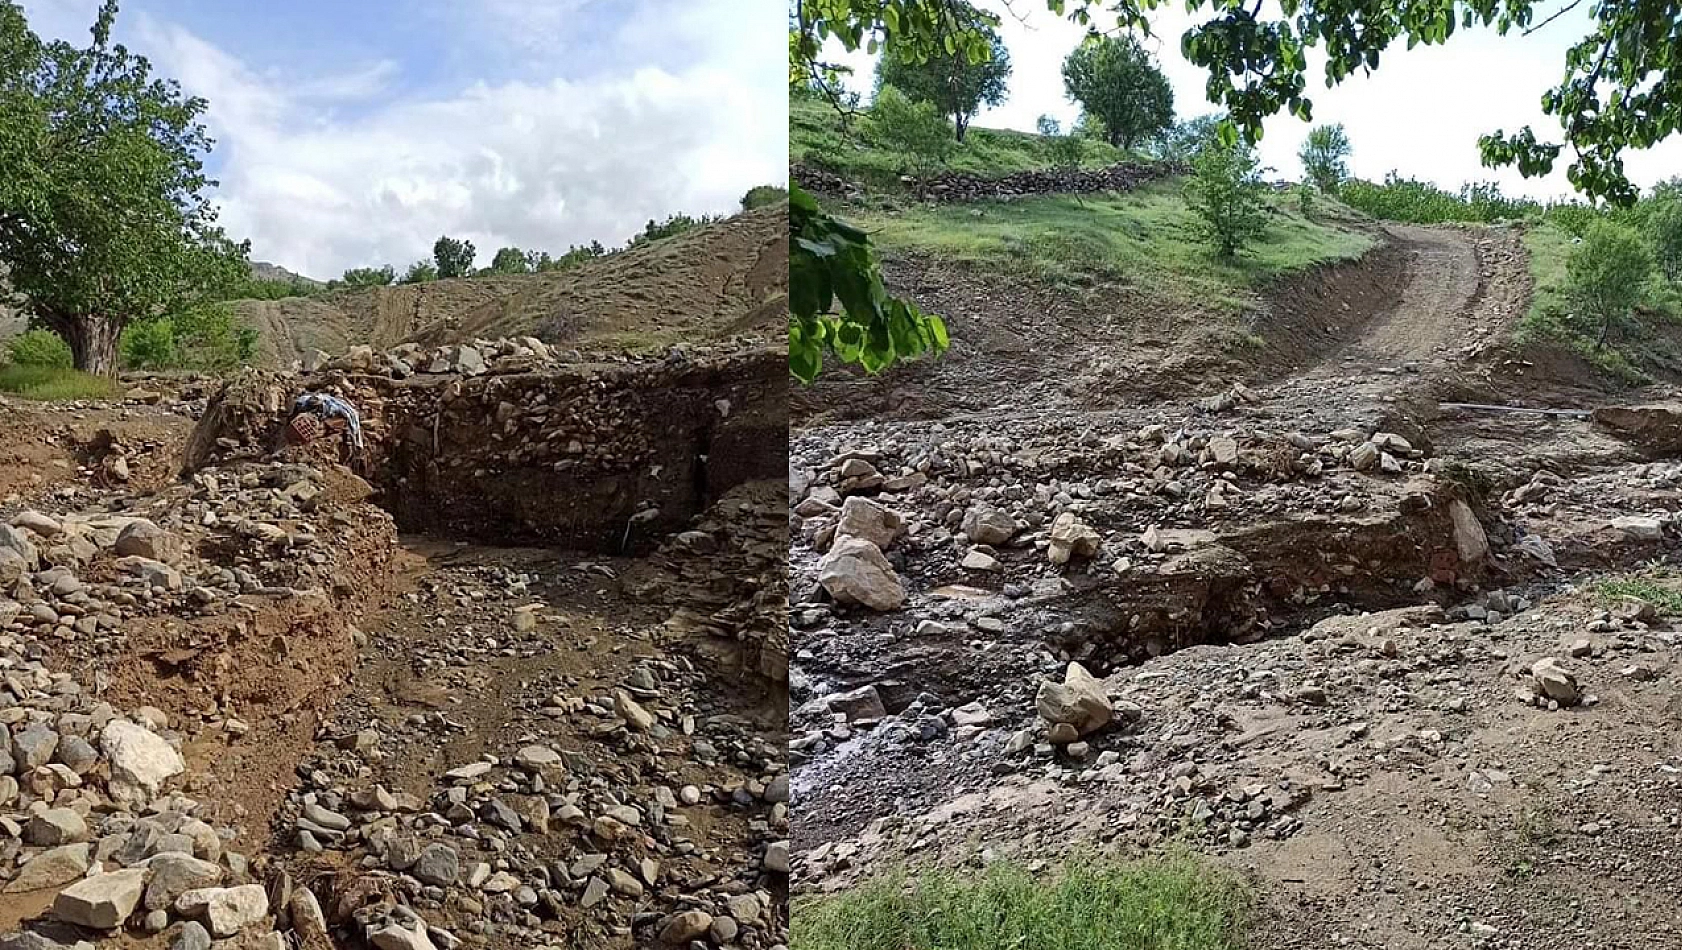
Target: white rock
{"type": "Point", "coordinates": [141, 761]}
{"type": "Point", "coordinates": [225, 911]}
{"type": "Point", "coordinates": [103, 901]}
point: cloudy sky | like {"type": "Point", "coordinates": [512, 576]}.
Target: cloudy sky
{"type": "Point", "coordinates": [1420, 113]}
{"type": "Point", "coordinates": [354, 133]}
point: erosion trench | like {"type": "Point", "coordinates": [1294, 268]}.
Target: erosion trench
{"type": "Point", "coordinates": [1353, 638]}
{"type": "Point", "coordinates": [514, 677]}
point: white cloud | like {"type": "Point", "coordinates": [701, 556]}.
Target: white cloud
{"type": "Point", "coordinates": [326, 172]}
{"type": "Point", "coordinates": [1420, 113]}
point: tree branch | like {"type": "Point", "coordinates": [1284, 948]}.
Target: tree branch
{"type": "Point", "coordinates": [1553, 16]}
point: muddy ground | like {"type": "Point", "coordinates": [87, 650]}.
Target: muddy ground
{"type": "Point", "coordinates": [1316, 595]}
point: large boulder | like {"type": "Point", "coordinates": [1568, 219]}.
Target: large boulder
{"type": "Point", "coordinates": [225, 911]}
{"type": "Point", "coordinates": [1469, 538]}
{"type": "Point", "coordinates": [141, 761]}
{"type": "Point", "coordinates": [863, 518]}
{"type": "Point", "coordinates": [145, 539]}
{"type": "Point", "coordinates": [52, 868]}
{"type": "Point", "coordinates": [103, 901]}
{"type": "Point", "coordinates": [17, 541]}
{"type": "Point", "coordinates": [985, 524]}
{"type": "Point", "coordinates": [856, 572]}
{"type": "Point", "coordinates": [1079, 701]}
{"type": "Point", "coordinates": [1071, 539]}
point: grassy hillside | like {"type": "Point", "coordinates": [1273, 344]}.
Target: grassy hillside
{"type": "Point", "coordinates": [816, 137]}
{"type": "Point", "coordinates": [714, 281]}
{"type": "Point", "coordinates": [1146, 240]}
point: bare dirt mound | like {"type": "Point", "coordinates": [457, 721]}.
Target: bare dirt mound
{"type": "Point", "coordinates": [718, 280]}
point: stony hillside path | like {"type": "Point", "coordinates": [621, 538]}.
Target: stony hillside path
{"type": "Point", "coordinates": [1377, 776]}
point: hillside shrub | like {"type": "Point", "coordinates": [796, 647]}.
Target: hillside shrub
{"type": "Point", "coordinates": [761, 195]}
{"type": "Point", "coordinates": [40, 347]}
{"type": "Point", "coordinates": [1421, 202]}
{"type": "Point", "coordinates": [209, 338]}
{"type": "Point", "coordinates": [1664, 231]}
{"type": "Point", "coordinates": [916, 130]}
{"type": "Point", "coordinates": [1225, 191]}
{"type": "Point", "coordinates": [1606, 276]}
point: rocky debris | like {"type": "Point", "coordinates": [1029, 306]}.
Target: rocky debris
{"type": "Point", "coordinates": [582, 828]}
{"type": "Point", "coordinates": [464, 454]}
{"type": "Point", "coordinates": [865, 519]}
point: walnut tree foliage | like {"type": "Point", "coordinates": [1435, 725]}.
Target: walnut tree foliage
{"type": "Point", "coordinates": [1118, 82]}
{"type": "Point", "coordinates": [104, 217]}
{"type": "Point", "coordinates": [955, 84]}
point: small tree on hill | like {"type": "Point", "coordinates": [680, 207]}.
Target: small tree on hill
{"type": "Point", "coordinates": [1180, 141]}
{"type": "Point", "coordinates": [104, 218]}
{"type": "Point", "coordinates": [1116, 81]}
{"type": "Point", "coordinates": [1664, 230]}
{"type": "Point", "coordinates": [760, 196]}
{"type": "Point", "coordinates": [1065, 150]}
{"type": "Point", "coordinates": [1225, 190]}
{"type": "Point", "coordinates": [420, 272]}
{"type": "Point", "coordinates": [453, 257]}
{"type": "Point", "coordinates": [915, 129]}
{"type": "Point", "coordinates": [957, 86]}
{"type": "Point", "coordinates": [1325, 157]}
{"type": "Point", "coordinates": [368, 276]}
{"type": "Point", "coordinates": [1606, 276]}
{"type": "Point", "coordinates": [510, 260]}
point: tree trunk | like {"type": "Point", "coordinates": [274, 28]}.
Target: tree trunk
{"type": "Point", "coordinates": [92, 339]}
{"type": "Point", "coordinates": [961, 123]}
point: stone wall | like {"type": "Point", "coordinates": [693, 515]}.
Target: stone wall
{"type": "Point", "coordinates": [967, 186]}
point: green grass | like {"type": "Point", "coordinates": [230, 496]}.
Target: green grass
{"type": "Point", "coordinates": [52, 384]}
{"type": "Point", "coordinates": [1169, 903]}
{"type": "Point", "coordinates": [1146, 239]}
{"type": "Point", "coordinates": [1549, 245]}
{"type": "Point", "coordinates": [1666, 598]}
{"type": "Point", "coordinates": [816, 138]}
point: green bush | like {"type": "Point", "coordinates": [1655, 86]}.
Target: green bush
{"type": "Point", "coordinates": [1225, 190]}
{"type": "Point", "coordinates": [420, 272]}
{"type": "Point", "coordinates": [1664, 231]}
{"type": "Point", "coordinates": [40, 348]}
{"type": "Point", "coordinates": [206, 338]}
{"type": "Point", "coordinates": [917, 130]}
{"type": "Point", "coordinates": [149, 344]}
{"type": "Point", "coordinates": [1606, 276]}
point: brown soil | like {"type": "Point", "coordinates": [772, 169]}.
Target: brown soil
{"type": "Point", "coordinates": [46, 447]}
{"type": "Point", "coordinates": [718, 280]}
